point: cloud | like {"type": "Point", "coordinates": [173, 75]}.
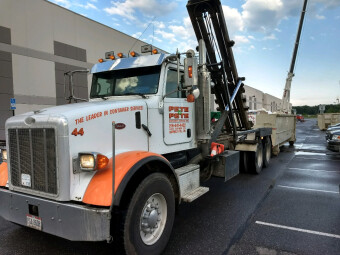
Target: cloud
{"type": "Point", "coordinates": [87, 6]}
{"type": "Point", "coordinates": [166, 35]}
{"type": "Point", "coordinates": [148, 8]}
{"type": "Point", "coordinates": [320, 17]}
{"type": "Point", "coordinates": [233, 19]}
{"type": "Point", "coordinates": [270, 37]}
{"type": "Point", "coordinates": [155, 38]}
{"type": "Point", "coordinates": [240, 39]}
{"type": "Point", "coordinates": [159, 24]}
{"type": "Point", "coordinates": [137, 35]}
{"type": "Point", "coordinates": [265, 15]}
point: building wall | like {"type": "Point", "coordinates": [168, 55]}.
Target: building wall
{"type": "Point", "coordinates": [39, 41]}
{"type": "Point", "coordinates": [257, 100]}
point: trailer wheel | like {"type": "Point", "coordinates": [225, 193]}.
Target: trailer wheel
{"type": "Point", "coordinates": [256, 159]}
{"type": "Point", "coordinates": [267, 152]}
{"type": "Point", "coordinates": [150, 216]}
{"type": "Point", "coordinates": [291, 143]}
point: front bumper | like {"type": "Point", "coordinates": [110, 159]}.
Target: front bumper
{"type": "Point", "coordinates": [70, 221]}
{"type": "Point", "coordinates": [333, 145]}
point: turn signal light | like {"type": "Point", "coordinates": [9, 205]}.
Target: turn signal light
{"type": "Point", "coordinates": [121, 55]}
{"type": "Point", "coordinates": [154, 51]}
{"type": "Point", "coordinates": [100, 60]}
{"type": "Point", "coordinates": [190, 71]}
{"type": "Point", "coordinates": [190, 98]}
{"type": "Point", "coordinates": [112, 57]}
{"type": "Point", "coordinates": [134, 54]}
{"type": "Point", "coordinates": [102, 161]}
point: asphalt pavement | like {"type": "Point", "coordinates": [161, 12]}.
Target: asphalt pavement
{"type": "Point", "coordinates": [292, 207]}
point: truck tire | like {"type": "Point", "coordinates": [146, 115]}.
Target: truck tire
{"type": "Point", "coordinates": [150, 216]}
{"type": "Point", "coordinates": [254, 160]}
{"type": "Point", "coordinates": [291, 143]}
{"type": "Point", "coordinates": [267, 152]}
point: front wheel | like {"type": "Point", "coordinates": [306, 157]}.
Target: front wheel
{"type": "Point", "coordinates": [150, 216]}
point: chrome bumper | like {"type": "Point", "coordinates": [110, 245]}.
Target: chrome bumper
{"type": "Point", "coordinates": [70, 221]}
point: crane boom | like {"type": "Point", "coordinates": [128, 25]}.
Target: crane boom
{"type": "Point", "coordinates": [209, 24]}
{"type": "Point", "coordinates": [286, 92]}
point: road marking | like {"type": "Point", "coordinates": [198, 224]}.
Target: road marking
{"type": "Point", "coordinates": [317, 190]}
{"type": "Point", "coordinates": [298, 229]}
{"type": "Point", "coordinates": [313, 170]}
{"type": "Point", "coordinates": [318, 159]}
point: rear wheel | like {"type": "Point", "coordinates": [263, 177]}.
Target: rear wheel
{"type": "Point", "coordinates": [256, 159]}
{"type": "Point", "coordinates": [267, 152]}
{"type": "Point", "coordinates": [150, 216]}
{"type": "Point", "coordinates": [253, 161]}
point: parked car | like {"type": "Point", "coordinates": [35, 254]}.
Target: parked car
{"type": "Point", "coordinates": [335, 125]}
{"type": "Point", "coordinates": [333, 143]}
{"type": "Point", "coordinates": [330, 131]}
{"type": "Point", "coordinates": [299, 117]}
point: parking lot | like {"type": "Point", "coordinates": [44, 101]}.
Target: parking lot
{"type": "Point", "coordinates": [292, 207]}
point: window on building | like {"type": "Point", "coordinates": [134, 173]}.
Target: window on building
{"type": "Point", "coordinates": [250, 103]}
{"type": "Point", "coordinates": [255, 107]}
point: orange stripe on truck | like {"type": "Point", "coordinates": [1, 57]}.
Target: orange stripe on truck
{"type": "Point", "coordinates": [99, 191]}
{"type": "Point", "coordinates": [3, 174]}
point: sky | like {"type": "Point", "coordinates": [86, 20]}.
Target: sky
{"type": "Point", "coordinates": [264, 32]}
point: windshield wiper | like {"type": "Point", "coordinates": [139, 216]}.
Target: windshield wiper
{"type": "Point", "coordinates": [99, 96]}
{"type": "Point", "coordinates": [133, 94]}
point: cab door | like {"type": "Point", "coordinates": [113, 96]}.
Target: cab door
{"type": "Point", "coordinates": [178, 113]}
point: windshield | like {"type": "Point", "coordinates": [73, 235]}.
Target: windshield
{"type": "Point", "coordinates": [135, 81]}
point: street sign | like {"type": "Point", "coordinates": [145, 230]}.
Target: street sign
{"type": "Point", "coordinates": [13, 103]}
{"type": "Point", "coordinates": [322, 108]}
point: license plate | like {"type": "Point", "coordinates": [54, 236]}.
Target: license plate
{"type": "Point", "coordinates": [33, 222]}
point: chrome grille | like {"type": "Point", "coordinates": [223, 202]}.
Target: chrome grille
{"type": "Point", "coordinates": [33, 153]}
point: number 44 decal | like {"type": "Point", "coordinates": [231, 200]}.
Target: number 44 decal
{"type": "Point", "coordinates": [75, 132]}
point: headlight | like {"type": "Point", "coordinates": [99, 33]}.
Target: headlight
{"type": "Point", "coordinates": [4, 154]}
{"type": "Point", "coordinates": [92, 161]}
{"type": "Point", "coordinates": [87, 161]}
{"type": "Point", "coordinates": [336, 137]}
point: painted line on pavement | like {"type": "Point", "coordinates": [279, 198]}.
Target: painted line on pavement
{"type": "Point", "coordinates": [318, 159]}
{"type": "Point", "coordinates": [313, 170]}
{"type": "Point", "coordinates": [298, 229]}
{"type": "Point", "coordinates": [316, 190]}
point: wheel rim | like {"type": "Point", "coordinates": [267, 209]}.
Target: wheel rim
{"type": "Point", "coordinates": [153, 219]}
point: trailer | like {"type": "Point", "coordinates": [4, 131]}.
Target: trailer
{"type": "Point", "coordinates": [283, 126]}
{"type": "Point", "coordinates": [118, 166]}
{"type": "Point", "coordinates": [328, 119]}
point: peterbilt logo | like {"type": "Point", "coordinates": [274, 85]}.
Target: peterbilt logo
{"type": "Point", "coordinates": [120, 126]}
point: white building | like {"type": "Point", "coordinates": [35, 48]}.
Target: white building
{"type": "Point", "coordinates": [257, 100]}
{"type": "Point", "coordinates": [39, 41]}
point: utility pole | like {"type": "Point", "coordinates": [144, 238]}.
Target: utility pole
{"type": "Point", "coordinates": [286, 92]}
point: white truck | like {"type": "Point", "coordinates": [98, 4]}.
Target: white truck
{"type": "Point", "coordinates": [119, 165]}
